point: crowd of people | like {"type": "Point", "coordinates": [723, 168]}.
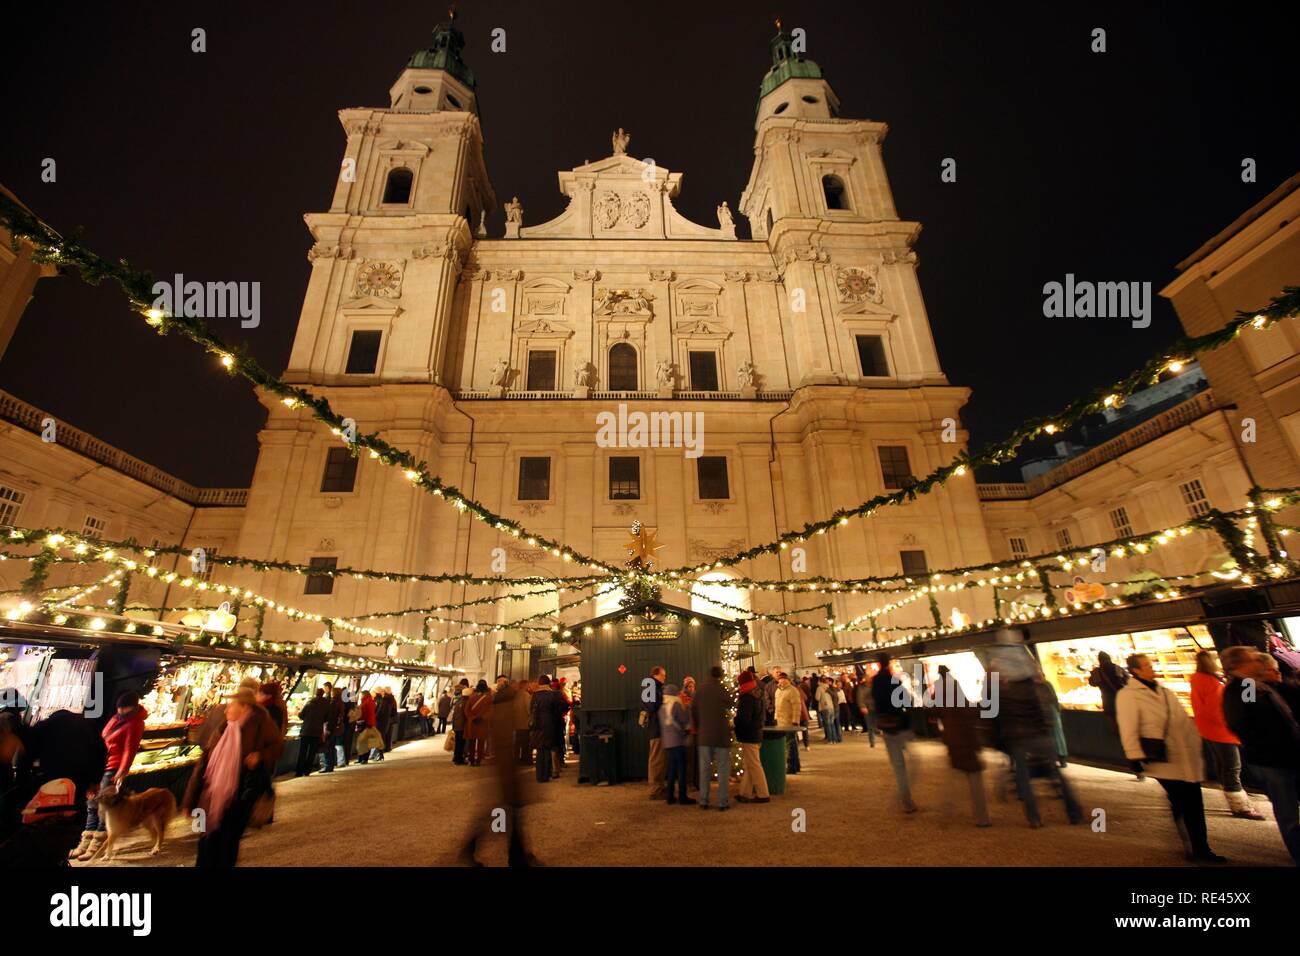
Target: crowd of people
{"type": "Point", "coordinates": [1244, 702]}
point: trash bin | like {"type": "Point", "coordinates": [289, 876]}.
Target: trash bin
{"type": "Point", "coordinates": [772, 754]}
{"type": "Point", "coordinates": [598, 757]}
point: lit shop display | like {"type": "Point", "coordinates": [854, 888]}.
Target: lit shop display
{"type": "Point", "coordinates": [20, 666]}
{"type": "Point", "coordinates": [1172, 651]}
{"type": "Point", "coordinates": [308, 683]}
{"type": "Point", "coordinates": [966, 670]}
{"type": "Point", "coordinates": [68, 685]}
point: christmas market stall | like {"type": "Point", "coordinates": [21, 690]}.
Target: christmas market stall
{"type": "Point", "coordinates": [616, 654]}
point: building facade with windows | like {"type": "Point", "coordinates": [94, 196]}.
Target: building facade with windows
{"type": "Point", "coordinates": [781, 376]}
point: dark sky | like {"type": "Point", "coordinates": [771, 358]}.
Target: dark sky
{"type": "Point", "coordinates": [1112, 166]}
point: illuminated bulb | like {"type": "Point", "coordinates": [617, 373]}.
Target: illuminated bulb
{"type": "Point", "coordinates": [98, 624]}
{"type": "Point", "coordinates": [154, 317]}
{"type": "Point", "coordinates": [1175, 366]}
{"type": "Point", "coordinates": [959, 471]}
{"type": "Point", "coordinates": [1050, 429]}
{"type": "Point", "coordinates": [60, 619]}
{"type": "Point", "coordinates": [1260, 322]}
{"type": "Point", "coordinates": [228, 361]}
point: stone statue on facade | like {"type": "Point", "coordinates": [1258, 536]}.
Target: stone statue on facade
{"type": "Point", "coordinates": [514, 218]}
{"type": "Point", "coordinates": [500, 372]}
{"type": "Point", "coordinates": [745, 376]}
{"type": "Point", "coordinates": [664, 374]}
{"type": "Point", "coordinates": [621, 140]}
{"type": "Point", "coordinates": [724, 216]}
{"type": "Point", "coordinates": [582, 375]}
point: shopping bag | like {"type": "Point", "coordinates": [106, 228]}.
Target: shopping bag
{"type": "Point", "coordinates": [449, 742]}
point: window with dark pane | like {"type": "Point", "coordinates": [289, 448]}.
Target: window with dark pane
{"type": "Point", "coordinates": [624, 478]}
{"type": "Point", "coordinates": [363, 352]}
{"type": "Point", "coordinates": [622, 368]}
{"type": "Point", "coordinates": [833, 189]}
{"type": "Point", "coordinates": [704, 371]}
{"type": "Point", "coordinates": [534, 479]}
{"type": "Point", "coordinates": [914, 565]}
{"type": "Point", "coordinates": [712, 473]}
{"type": "Point", "coordinates": [895, 468]}
{"type": "Point", "coordinates": [340, 471]}
{"type": "Point", "coordinates": [871, 354]}
{"type": "Point", "coordinates": [397, 188]}
{"type": "Point", "coordinates": [541, 371]}
{"type": "Point", "coordinates": [321, 583]}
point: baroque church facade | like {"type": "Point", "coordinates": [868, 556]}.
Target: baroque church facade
{"type": "Point", "coordinates": [805, 353]}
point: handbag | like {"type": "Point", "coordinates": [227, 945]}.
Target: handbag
{"type": "Point", "coordinates": [449, 742]}
{"type": "Point", "coordinates": [1156, 749]}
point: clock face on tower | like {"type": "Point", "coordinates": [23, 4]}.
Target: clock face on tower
{"type": "Point", "coordinates": [379, 278]}
{"type": "Point", "coordinates": [857, 285]}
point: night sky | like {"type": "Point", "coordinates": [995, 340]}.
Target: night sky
{"type": "Point", "coordinates": [1112, 166]}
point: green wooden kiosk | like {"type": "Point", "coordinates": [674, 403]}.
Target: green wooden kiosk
{"type": "Point", "coordinates": [617, 652]}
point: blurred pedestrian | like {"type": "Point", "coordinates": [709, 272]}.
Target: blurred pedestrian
{"type": "Point", "coordinates": [1108, 678]}
{"type": "Point", "coordinates": [962, 731]}
{"type": "Point", "coordinates": [444, 711]}
{"type": "Point", "coordinates": [504, 789]}
{"type": "Point", "coordinates": [458, 704]}
{"type": "Point", "coordinates": [827, 710]}
{"type": "Point", "coordinates": [1269, 734]}
{"type": "Point", "coordinates": [862, 700]}
{"type": "Point", "coordinates": [657, 764]}
{"type": "Point", "coordinates": [692, 740]}
{"type": "Point", "coordinates": [1159, 737]}
{"type": "Point", "coordinates": [369, 742]}
{"type": "Point", "coordinates": [891, 703]}
{"type": "Point", "coordinates": [788, 715]}
{"type": "Point", "coordinates": [1224, 746]}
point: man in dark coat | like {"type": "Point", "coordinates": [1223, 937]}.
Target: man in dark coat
{"type": "Point", "coordinates": [657, 765]}
{"type": "Point", "coordinates": [1269, 733]}
{"type": "Point", "coordinates": [386, 717]}
{"type": "Point", "coordinates": [891, 703]}
{"type": "Point", "coordinates": [313, 715]}
{"type": "Point", "coordinates": [444, 711]}
{"type": "Point", "coordinates": [458, 720]}
{"type": "Point", "coordinates": [751, 713]}
{"type": "Point", "coordinates": [713, 733]}
{"type": "Point", "coordinates": [335, 720]}
{"type": "Point", "coordinates": [963, 735]}
{"type": "Point", "coordinates": [545, 725]}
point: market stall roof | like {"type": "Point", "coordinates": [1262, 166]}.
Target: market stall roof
{"type": "Point", "coordinates": [658, 607]}
{"type": "Point", "coordinates": [1283, 598]}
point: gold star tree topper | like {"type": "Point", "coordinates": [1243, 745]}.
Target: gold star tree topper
{"type": "Point", "coordinates": [643, 544]}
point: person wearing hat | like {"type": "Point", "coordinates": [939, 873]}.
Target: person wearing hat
{"type": "Point", "coordinates": [222, 786]}
{"type": "Point", "coordinates": [751, 711]}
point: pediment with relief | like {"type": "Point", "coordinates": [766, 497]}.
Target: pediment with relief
{"type": "Point", "coordinates": [621, 197]}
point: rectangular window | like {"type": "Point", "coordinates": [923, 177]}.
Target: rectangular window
{"type": "Point", "coordinates": [871, 353]}
{"type": "Point", "coordinates": [340, 471]}
{"type": "Point", "coordinates": [534, 479]}
{"type": "Point", "coordinates": [363, 352]}
{"type": "Point", "coordinates": [11, 503]}
{"type": "Point", "coordinates": [1063, 539]}
{"type": "Point", "coordinates": [94, 527]}
{"type": "Point", "coordinates": [895, 468]}
{"type": "Point", "coordinates": [541, 371]}
{"type": "Point", "coordinates": [321, 583]}
{"type": "Point", "coordinates": [202, 562]}
{"type": "Point", "coordinates": [1019, 549]}
{"type": "Point", "coordinates": [914, 565]}
{"type": "Point", "coordinates": [1194, 497]}
{"type": "Point", "coordinates": [624, 478]}
{"type": "Point", "coordinates": [704, 371]}
{"type": "Point", "coordinates": [711, 471]}
{"type": "Point", "coordinates": [1119, 521]}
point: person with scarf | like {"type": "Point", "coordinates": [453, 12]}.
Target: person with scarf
{"type": "Point", "coordinates": [229, 778]}
{"type": "Point", "coordinates": [122, 736]}
{"type": "Point", "coordinates": [673, 723]}
{"type": "Point", "coordinates": [1161, 740]}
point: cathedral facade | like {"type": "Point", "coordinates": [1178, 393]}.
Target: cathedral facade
{"type": "Point", "coordinates": [766, 381]}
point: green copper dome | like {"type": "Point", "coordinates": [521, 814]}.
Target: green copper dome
{"type": "Point", "coordinates": [444, 54]}
{"type": "Point", "coordinates": [786, 64]}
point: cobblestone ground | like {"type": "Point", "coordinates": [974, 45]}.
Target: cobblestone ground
{"type": "Point", "coordinates": [415, 809]}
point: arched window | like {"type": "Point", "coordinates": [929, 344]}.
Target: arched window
{"type": "Point", "coordinates": [622, 368]}
{"type": "Point", "coordinates": [833, 188]}
{"type": "Point", "coordinates": [397, 189]}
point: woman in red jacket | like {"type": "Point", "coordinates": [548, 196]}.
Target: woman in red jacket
{"type": "Point", "coordinates": [367, 723]}
{"type": "Point", "coordinates": [121, 736]}
{"type": "Point", "coordinates": [1207, 710]}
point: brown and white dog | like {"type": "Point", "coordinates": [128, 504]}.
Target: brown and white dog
{"type": "Point", "coordinates": [123, 812]}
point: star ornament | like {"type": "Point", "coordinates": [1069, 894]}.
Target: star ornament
{"type": "Point", "coordinates": [644, 545]}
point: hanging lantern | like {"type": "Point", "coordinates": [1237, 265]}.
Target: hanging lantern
{"type": "Point", "coordinates": [325, 643]}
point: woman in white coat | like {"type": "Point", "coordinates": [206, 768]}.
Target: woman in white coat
{"type": "Point", "coordinates": [1147, 711]}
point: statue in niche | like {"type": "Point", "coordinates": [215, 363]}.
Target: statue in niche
{"type": "Point", "coordinates": [582, 375]}
{"type": "Point", "coordinates": [746, 375]}
{"type": "Point", "coordinates": [514, 211]}
{"type": "Point", "coordinates": [500, 372]}
{"type": "Point", "coordinates": [620, 140]}
{"type": "Point", "coordinates": [664, 373]}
